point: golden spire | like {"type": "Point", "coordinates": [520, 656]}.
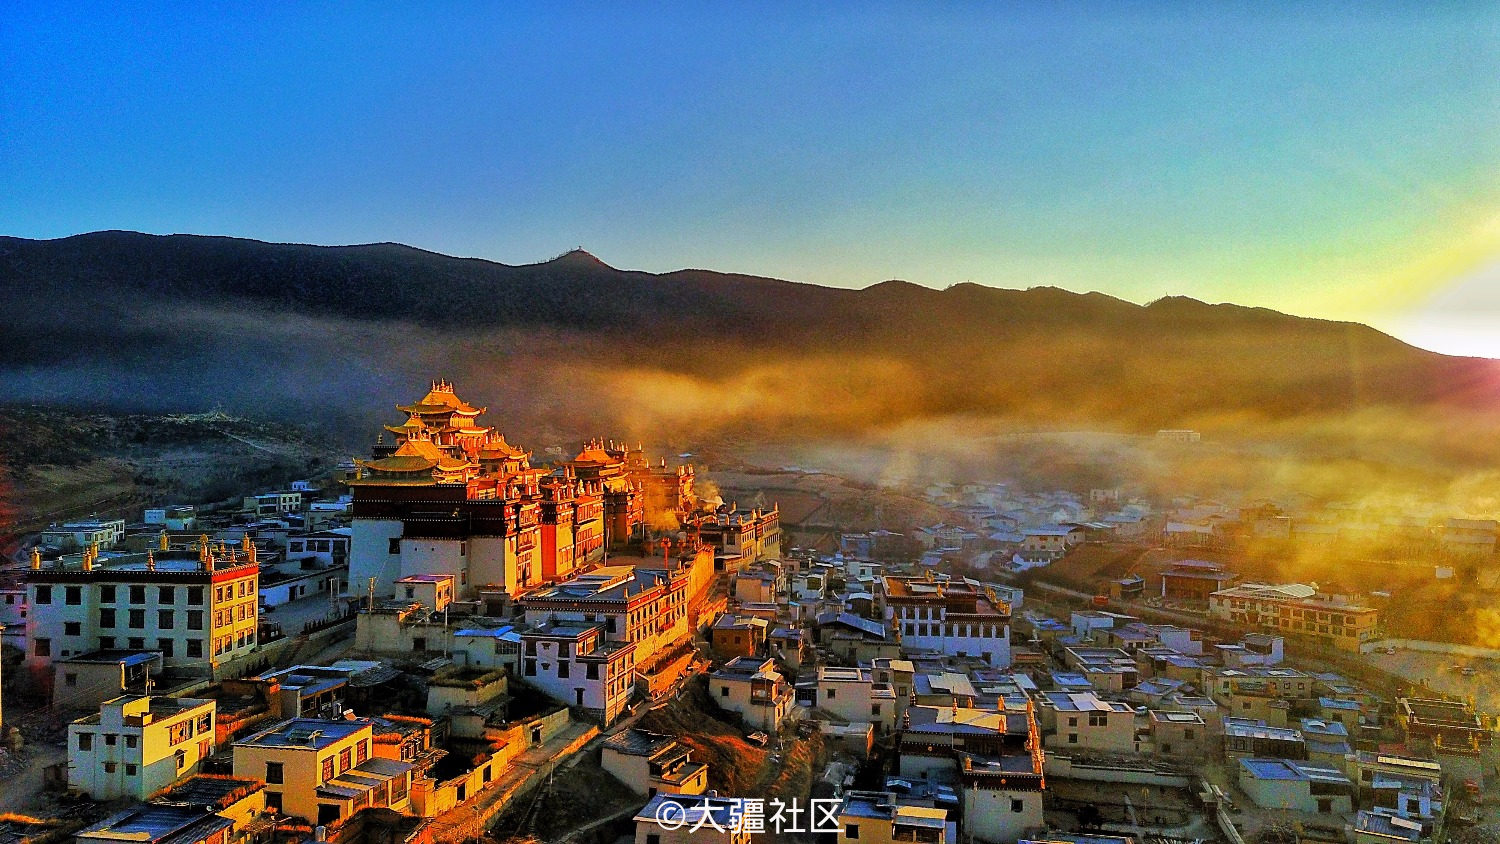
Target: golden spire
{"type": "Point", "coordinates": [88, 557]}
{"type": "Point", "coordinates": [162, 542]}
{"type": "Point", "coordinates": [36, 558]}
{"type": "Point", "coordinates": [150, 561]}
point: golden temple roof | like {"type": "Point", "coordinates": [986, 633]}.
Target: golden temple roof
{"type": "Point", "coordinates": [441, 399]}
{"type": "Point", "coordinates": [403, 463]}
{"type": "Point", "coordinates": [595, 454]}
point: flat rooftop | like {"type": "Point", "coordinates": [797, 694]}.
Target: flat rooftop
{"type": "Point", "coordinates": [305, 732]}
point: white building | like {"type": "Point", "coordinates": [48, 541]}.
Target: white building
{"type": "Point", "coordinates": [1298, 786]}
{"type": "Point", "coordinates": [576, 665]}
{"type": "Point", "coordinates": [179, 518]}
{"type": "Point", "coordinates": [72, 536]}
{"type": "Point", "coordinates": [753, 688]}
{"type": "Point", "coordinates": [197, 608]}
{"type": "Point", "coordinates": [959, 618]}
{"type": "Point", "coordinates": [851, 695]}
{"type": "Point", "coordinates": [1083, 721]}
{"type": "Point", "coordinates": [137, 745]}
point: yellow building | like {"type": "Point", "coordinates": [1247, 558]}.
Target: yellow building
{"type": "Point", "coordinates": [323, 770]}
{"type": "Point", "coordinates": [1293, 609]}
{"type": "Point", "coordinates": [874, 817]}
{"type": "Point", "coordinates": [137, 745]}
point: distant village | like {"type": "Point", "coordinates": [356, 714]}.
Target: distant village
{"type": "Point", "coordinates": [425, 643]}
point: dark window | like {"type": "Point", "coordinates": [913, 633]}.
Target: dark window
{"type": "Point", "coordinates": [137, 594]}
{"type": "Point", "coordinates": [43, 647]}
{"type": "Point", "coordinates": [70, 679]}
{"type": "Point", "coordinates": [166, 595]}
{"type": "Point", "coordinates": [195, 619]}
{"type": "Point", "coordinates": [85, 741]}
{"type": "Point", "coordinates": [137, 619]}
{"type": "Point", "coordinates": [723, 691]}
{"type": "Point", "coordinates": [591, 670]}
{"type": "Point", "coordinates": [419, 643]}
{"type": "Point", "coordinates": [72, 595]}
{"type": "Point", "coordinates": [106, 643]}
{"type": "Point", "coordinates": [129, 770]}
{"type": "Point", "coordinates": [107, 617]}
{"type": "Point", "coordinates": [1016, 805]}
{"type": "Point", "coordinates": [137, 643]}
{"type": "Point", "coordinates": [394, 547]}
{"type": "Point", "coordinates": [851, 831]}
{"type": "Point", "coordinates": [530, 668]}
{"type": "Point", "coordinates": [273, 801]}
{"type": "Point", "coordinates": [164, 619]}
{"type": "Point", "coordinates": [165, 646]}
{"type": "Point", "coordinates": [195, 594]}
{"type": "Point", "coordinates": [43, 595]}
{"type": "Point", "coordinates": [562, 669]}
{"type": "Point", "coordinates": [107, 594]}
{"type": "Point", "coordinates": [195, 647]}
{"type": "Point", "coordinates": [327, 813]}
{"type": "Point", "coordinates": [72, 628]}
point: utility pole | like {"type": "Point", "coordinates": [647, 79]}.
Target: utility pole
{"type": "Point", "coordinates": [2, 687]}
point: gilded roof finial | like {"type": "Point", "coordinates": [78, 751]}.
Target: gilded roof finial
{"type": "Point", "coordinates": [150, 561]}
{"type": "Point", "coordinates": [36, 558]}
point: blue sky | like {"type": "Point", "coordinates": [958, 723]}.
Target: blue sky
{"type": "Point", "coordinates": [1330, 159]}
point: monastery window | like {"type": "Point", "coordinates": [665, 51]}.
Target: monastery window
{"type": "Point", "coordinates": [107, 594]}
{"type": "Point", "coordinates": [106, 643]}
{"type": "Point", "coordinates": [195, 646]}
{"type": "Point", "coordinates": [73, 596]}
{"type": "Point", "coordinates": [137, 619]}
{"type": "Point", "coordinates": [164, 619]}
{"type": "Point", "coordinates": [72, 628]}
{"type": "Point", "coordinates": [85, 741]}
{"type": "Point", "coordinates": [195, 619]}
{"type": "Point", "coordinates": [165, 646]}
{"type": "Point", "coordinates": [137, 594]}
{"type": "Point", "coordinates": [166, 594]}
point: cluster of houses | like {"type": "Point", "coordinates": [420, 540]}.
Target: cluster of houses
{"type": "Point", "coordinates": [998, 526]}
{"type": "Point", "coordinates": [1413, 530]}
{"type": "Point", "coordinates": [504, 615]}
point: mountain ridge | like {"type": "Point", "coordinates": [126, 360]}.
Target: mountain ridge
{"type": "Point", "coordinates": [242, 317]}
